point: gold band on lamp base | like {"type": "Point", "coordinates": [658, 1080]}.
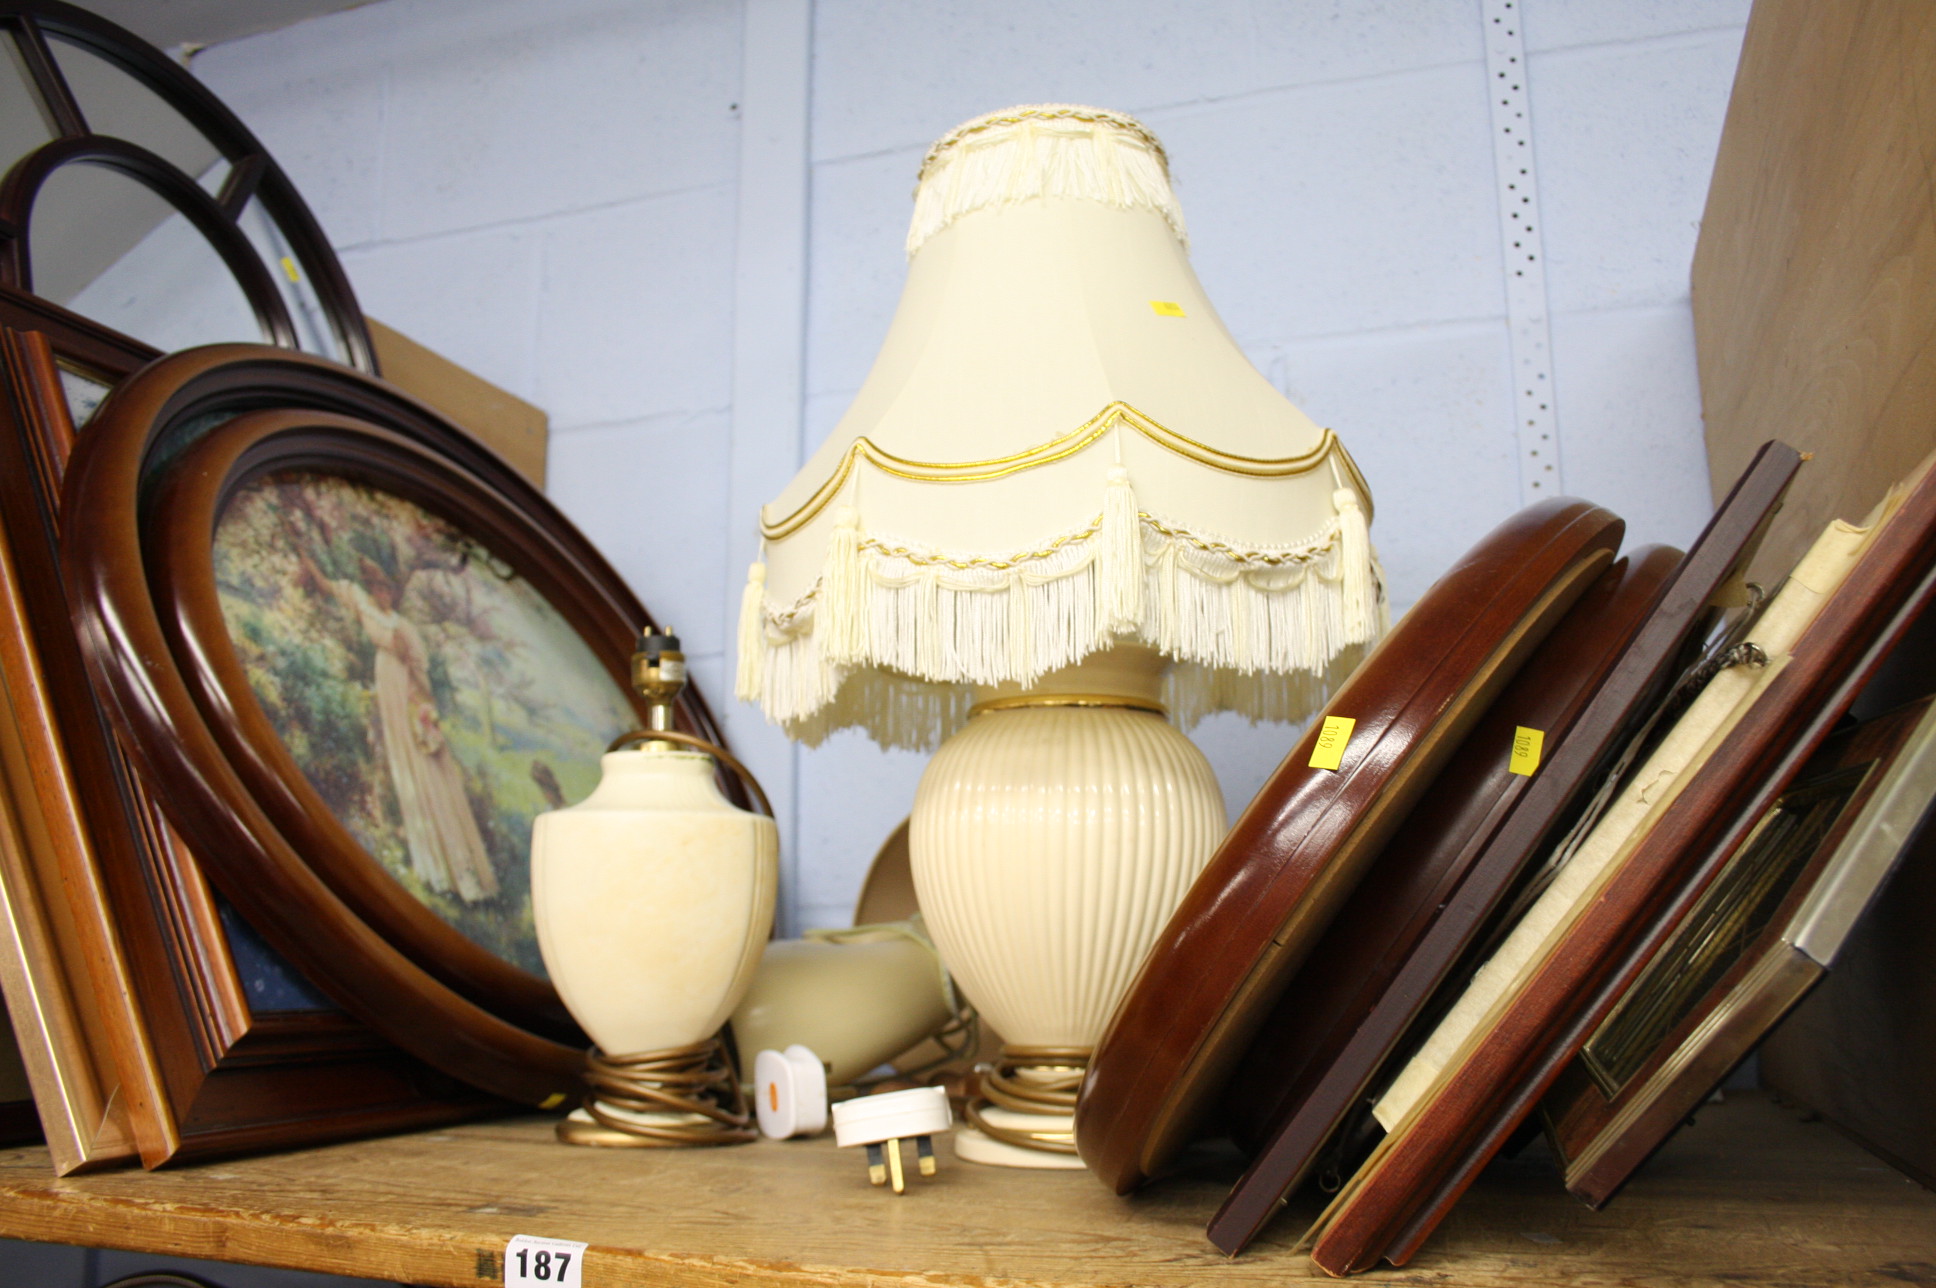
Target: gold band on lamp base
{"type": "Point", "coordinates": [1051, 839]}
{"type": "Point", "coordinates": [1022, 701]}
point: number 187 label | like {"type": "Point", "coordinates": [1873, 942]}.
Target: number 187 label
{"type": "Point", "coordinates": [531, 1262]}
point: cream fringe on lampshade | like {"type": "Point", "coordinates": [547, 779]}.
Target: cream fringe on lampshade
{"type": "Point", "coordinates": [892, 635]}
{"type": "Point", "coordinates": [1055, 150]}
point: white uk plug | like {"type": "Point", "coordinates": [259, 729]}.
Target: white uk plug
{"type": "Point", "coordinates": [882, 1122]}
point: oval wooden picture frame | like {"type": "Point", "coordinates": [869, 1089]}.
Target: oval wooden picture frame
{"type": "Point", "coordinates": [1287, 865]}
{"type": "Point", "coordinates": [145, 490]}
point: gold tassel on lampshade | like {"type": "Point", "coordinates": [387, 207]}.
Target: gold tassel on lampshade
{"type": "Point", "coordinates": [1063, 499]}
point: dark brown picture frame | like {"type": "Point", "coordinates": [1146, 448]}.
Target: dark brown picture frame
{"type": "Point", "coordinates": [136, 1026]}
{"type": "Point", "coordinates": [1488, 850]}
{"type": "Point", "coordinates": [1285, 869]}
{"type": "Point", "coordinates": [1316, 1039]}
{"type": "Point", "coordinates": [137, 613]}
{"type": "Point", "coordinates": [1877, 775]}
{"type": "Point", "coordinates": [1394, 1203]}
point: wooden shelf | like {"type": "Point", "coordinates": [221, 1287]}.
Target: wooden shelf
{"type": "Point", "coordinates": [1753, 1193]}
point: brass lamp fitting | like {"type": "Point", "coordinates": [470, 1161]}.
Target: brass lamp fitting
{"type": "Point", "coordinates": [659, 674]}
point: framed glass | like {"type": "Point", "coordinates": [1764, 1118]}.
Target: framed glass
{"type": "Point", "coordinates": [104, 98]}
{"type": "Point", "coordinates": [384, 865]}
{"type": "Point", "coordinates": [154, 1022]}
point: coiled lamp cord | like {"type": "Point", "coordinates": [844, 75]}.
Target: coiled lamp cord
{"type": "Point", "coordinates": [695, 1086]}
{"type": "Point", "coordinates": [1031, 1080]}
{"type": "Point", "coordinates": [697, 743]}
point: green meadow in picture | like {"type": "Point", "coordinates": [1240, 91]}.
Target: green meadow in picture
{"type": "Point", "coordinates": [434, 700]}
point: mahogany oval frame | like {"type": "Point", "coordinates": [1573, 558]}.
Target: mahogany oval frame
{"type": "Point", "coordinates": [1309, 1064]}
{"type": "Point", "coordinates": [1271, 888]}
{"type": "Point", "coordinates": [1430, 852]}
{"type": "Point", "coordinates": [186, 510]}
{"type": "Point", "coordinates": [148, 629]}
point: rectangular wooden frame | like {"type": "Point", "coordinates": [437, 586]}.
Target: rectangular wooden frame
{"type": "Point", "coordinates": [1602, 1135]}
{"type": "Point", "coordinates": [133, 1021]}
{"type": "Point", "coordinates": [1395, 1201]}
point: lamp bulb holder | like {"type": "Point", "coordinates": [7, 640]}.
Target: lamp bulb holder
{"type": "Point", "coordinates": [659, 675]}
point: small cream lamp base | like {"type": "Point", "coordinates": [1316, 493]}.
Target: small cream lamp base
{"type": "Point", "coordinates": [653, 898]}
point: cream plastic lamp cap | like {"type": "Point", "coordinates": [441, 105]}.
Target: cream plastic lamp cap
{"type": "Point", "coordinates": [1060, 449]}
{"type": "Point", "coordinates": [790, 1092]}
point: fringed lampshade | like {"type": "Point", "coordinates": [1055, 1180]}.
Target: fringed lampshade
{"type": "Point", "coordinates": [1060, 446]}
{"type": "Point", "coordinates": [1062, 488]}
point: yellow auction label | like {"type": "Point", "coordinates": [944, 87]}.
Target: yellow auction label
{"type": "Point", "coordinates": [1527, 744]}
{"type": "Point", "coordinates": [289, 269]}
{"type": "Point", "coordinates": [1329, 753]}
{"type": "Point", "coordinates": [1167, 308]}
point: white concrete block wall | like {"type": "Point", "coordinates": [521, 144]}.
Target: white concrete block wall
{"type": "Point", "coordinates": [543, 193]}
{"type": "Point", "coordinates": [549, 194]}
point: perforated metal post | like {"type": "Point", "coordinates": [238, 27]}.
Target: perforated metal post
{"type": "Point", "coordinates": [1524, 252]}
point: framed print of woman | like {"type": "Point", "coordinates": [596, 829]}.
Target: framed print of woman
{"type": "Point", "coordinates": [435, 701]}
{"type": "Point", "coordinates": [446, 849]}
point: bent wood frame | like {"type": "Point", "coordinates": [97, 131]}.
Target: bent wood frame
{"type": "Point", "coordinates": [137, 1032]}
{"type": "Point", "coordinates": [1400, 1196]}
{"type": "Point", "coordinates": [143, 605]}
{"type": "Point", "coordinates": [1285, 868]}
{"type": "Point", "coordinates": [254, 174]}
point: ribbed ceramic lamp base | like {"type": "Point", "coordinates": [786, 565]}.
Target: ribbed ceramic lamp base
{"type": "Point", "coordinates": [1049, 844]}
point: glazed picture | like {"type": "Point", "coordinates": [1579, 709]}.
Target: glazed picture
{"type": "Point", "coordinates": [434, 700]}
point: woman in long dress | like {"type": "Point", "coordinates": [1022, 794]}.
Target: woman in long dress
{"type": "Point", "coordinates": [446, 849]}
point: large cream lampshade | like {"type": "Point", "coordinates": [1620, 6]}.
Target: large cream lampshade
{"type": "Point", "coordinates": [1063, 509]}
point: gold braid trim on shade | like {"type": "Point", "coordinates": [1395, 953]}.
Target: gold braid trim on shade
{"type": "Point", "coordinates": [1116, 416]}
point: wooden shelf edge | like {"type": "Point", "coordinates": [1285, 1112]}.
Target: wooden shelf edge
{"type": "Point", "coordinates": [1753, 1193]}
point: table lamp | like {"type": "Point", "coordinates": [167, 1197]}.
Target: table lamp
{"type": "Point", "coordinates": [652, 899]}
{"type": "Point", "coordinates": [1062, 510]}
